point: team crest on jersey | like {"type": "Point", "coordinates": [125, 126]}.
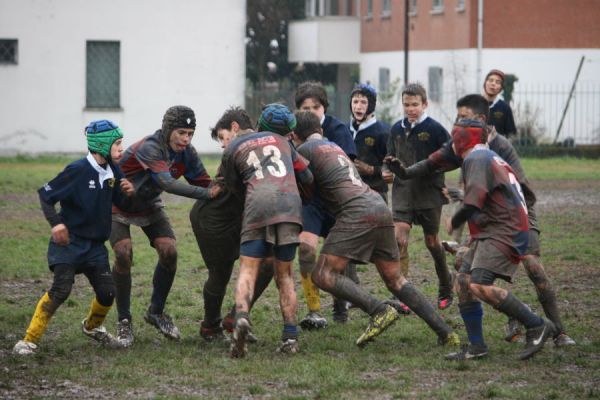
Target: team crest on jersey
{"type": "Point", "coordinates": [111, 182]}
{"type": "Point", "coordinates": [423, 136]}
{"type": "Point", "coordinates": [92, 184]}
{"type": "Point", "coordinates": [369, 141]}
{"type": "Point", "coordinates": [498, 114]}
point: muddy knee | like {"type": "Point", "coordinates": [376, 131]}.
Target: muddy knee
{"type": "Point", "coordinates": [123, 256]}
{"type": "Point", "coordinates": [307, 256]}
{"type": "Point", "coordinates": [167, 255]}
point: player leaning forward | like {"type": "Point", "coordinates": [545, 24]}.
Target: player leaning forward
{"type": "Point", "coordinates": [363, 232]}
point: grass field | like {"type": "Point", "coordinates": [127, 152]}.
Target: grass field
{"type": "Point", "coordinates": [404, 362]}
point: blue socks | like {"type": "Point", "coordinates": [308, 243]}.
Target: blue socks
{"type": "Point", "coordinates": [472, 314]}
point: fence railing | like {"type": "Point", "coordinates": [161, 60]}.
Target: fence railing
{"type": "Point", "coordinates": [538, 109]}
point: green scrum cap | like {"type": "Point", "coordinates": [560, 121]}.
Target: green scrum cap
{"type": "Point", "coordinates": [101, 135]}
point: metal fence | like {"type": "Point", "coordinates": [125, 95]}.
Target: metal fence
{"type": "Point", "coordinates": [538, 110]}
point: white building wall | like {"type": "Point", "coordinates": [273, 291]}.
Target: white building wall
{"type": "Point", "coordinates": [172, 52]}
{"type": "Point", "coordinates": [544, 78]}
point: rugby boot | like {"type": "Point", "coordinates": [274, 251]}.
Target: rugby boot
{"type": "Point", "coordinates": [452, 339]}
{"type": "Point", "coordinates": [228, 325]}
{"type": "Point", "coordinates": [100, 335]}
{"type": "Point", "coordinates": [164, 323]}
{"type": "Point", "coordinates": [444, 301]}
{"type": "Point", "coordinates": [25, 348]}
{"type": "Point", "coordinates": [125, 332]}
{"type": "Point", "coordinates": [239, 346]}
{"type": "Point", "coordinates": [378, 324]}
{"type": "Point", "coordinates": [450, 246]}
{"type": "Point", "coordinates": [469, 352]}
{"type": "Point", "coordinates": [398, 305]}
{"type": "Point", "coordinates": [289, 346]}
{"type": "Point", "coordinates": [536, 337]}
{"type": "Point", "coordinates": [562, 339]}
{"type": "Point", "coordinates": [313, 320]}
{"type": "Point", "coordinates": [211, 332]}
{"type": "Point", "coordinates": [513, 331]}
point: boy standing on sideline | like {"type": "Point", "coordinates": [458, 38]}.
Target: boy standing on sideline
{"type": "Point", "coordinates": [86, 191]}
{"type": "Point", "coordinates": [311, 96]}
{"type": "Point", "coordinates": [363, 232]}
{"type": "Point", "coordinates": [370, 137]}
{"type": "Point", "coordinates": [217, 225]}
{"type": "Point", "coordinates": [153, 165]}
{"type": "Point", "coordinates": [495, 209]}
{"type": "Point", "coordinates": [501, 115]}
{"type": "Point", "coordinates": [413, 139]}
{"type": "Point", "coordinates": [261, 168]}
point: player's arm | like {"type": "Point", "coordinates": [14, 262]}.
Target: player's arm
{"type": "Point", "coordinates": [303, 174]}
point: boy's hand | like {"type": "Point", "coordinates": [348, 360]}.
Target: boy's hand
{"type": "Point", "coordinates": [363, 168]}
{"type": "Point", "coordinates": [127, 187]}
{"type": "Point", "coordinates": [215, 190]}
{"type": "Point", "coordinates": [60, 234]}
{"type": "Point", "coordinates": [395, 165]}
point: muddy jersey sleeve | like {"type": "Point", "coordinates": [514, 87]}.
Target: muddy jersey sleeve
{"type": "Point", "coordinates": [195, 173]}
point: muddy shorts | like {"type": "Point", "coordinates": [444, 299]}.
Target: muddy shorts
{"type": "Point", "coordinates": [362, 245]}
{"type": "Point", "coordinates": [159, 227]}
{"type": "Point", "coordinates": [279, 239]}
{"type": "Point", "coordinates": [533, 246]}
{"type": "Point", "coordinates": [484, 254]}
{"type": "Point", "coordinates": [428, 218]}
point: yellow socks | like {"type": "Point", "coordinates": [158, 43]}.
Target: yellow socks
{"type": "Point", "coordinates": [96, 315]}
{"type": "Point", "coordinates": [311, 294]}
{"type": "Point", "coordinates": [41, 317]}
{"type": "Point", "coordinates": [404, 265]}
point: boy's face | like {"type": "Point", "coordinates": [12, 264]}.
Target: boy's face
{"type": "Point", "coordinates": [467, 113]}
{"type": "Point", "coordinates": [116, 150]}
{"type": "Point", "coordinates": [493, 85]}
{"type": "Point", "coordinates": [180, 138]}
{"type": "Point", "coordinates": [359, 106]}
{"type": "Point", "coordinates": [225, 136]}
{"type": "Point", "coordinates": [314, 107]}
{"type": "Point", "coordinates": [413, 106]}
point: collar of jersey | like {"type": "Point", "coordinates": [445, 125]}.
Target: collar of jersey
{"type": "Point", "coordinates": [417, 122]}
{"type": "Point", "coordinates": [362, 126]}
{"type": "Point", "coordinates": [103, 174]}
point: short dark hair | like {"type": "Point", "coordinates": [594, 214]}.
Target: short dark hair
{"type": "Point", "coordinates": [311, 90]}
{"type": "Point", "coordinates": [415, 89]}
{"type": "Point", "coordinates": [233, 114]}
{"type": "Point", "coordinates": [307, 123]}
{"type": "Point", "coordinates": [476, 103]}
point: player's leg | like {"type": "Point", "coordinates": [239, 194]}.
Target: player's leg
{"type": "Point", "coordinates": [100, 278]}
{"type": "Point", "coordinates": [120, 240]}
{"type": "Point", "coordinates": [288, 302]}
{"type": "Point", "coordinates": [46, 307]}
{"type": "Point", "coordinates": [307, 257]}
{"type": "Point", "coordinates": [430, 221]}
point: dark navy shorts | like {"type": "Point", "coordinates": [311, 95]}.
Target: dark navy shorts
{"type": "Point", "coordinates": [262, 249]}
{"type": "Point", "coordinates": [316, 220]}
{"type": "Point", "coordinates": [78, 251]}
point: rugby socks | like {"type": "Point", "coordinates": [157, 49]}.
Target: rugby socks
{"type": "Point", "coordinates": [212, 306]}
{"type": "Point", "coordinates": [351, 273]}
{"type": "Point", "coordinates": [515, 308]}
{"type": "Point", "coordinates": [344, 288]}
{"type": "Point", "coordinates": [441, 269]}
{"type": "Point", "coordinates": [472, 314]}
{"type": "Point", "coordinates": [162, 282]}
{"type": "Point", "coordinates": [311, 294]}
{"type": "Point", "coordinates": [123, 294]}
{"type": "Point", "coordinates": [404, 264]}
{"type": "Point", "coordinates": [415, 300]}
{"type": "Point", "coordinates": [290, 331]}
{"type": "Point", "coordinates": [41, 317]}
{"type": "Point", "coordinates": [96, 315]}
{"type": "Point", "coordinates": [545, 292]}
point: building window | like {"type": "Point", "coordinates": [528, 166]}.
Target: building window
{"type": "Point", "coordinates": [412, 7]}
{"type": "Point", "coordinates": [369, 8]}
{"type": "Point", "coordinates": [460, 5]}
{"type": "Point", "coordinates": [103, 77]}
{"type": "Point", "coordinates": [436, 83]}
{"type": "Point", "coordinates": [386, 10]}
{"type": "Point", "coordinates": [384, 79]}
{"type": "Point", "coordinates": [9, 51]}
{"type": "Point", "coordinates": [437, 7]}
